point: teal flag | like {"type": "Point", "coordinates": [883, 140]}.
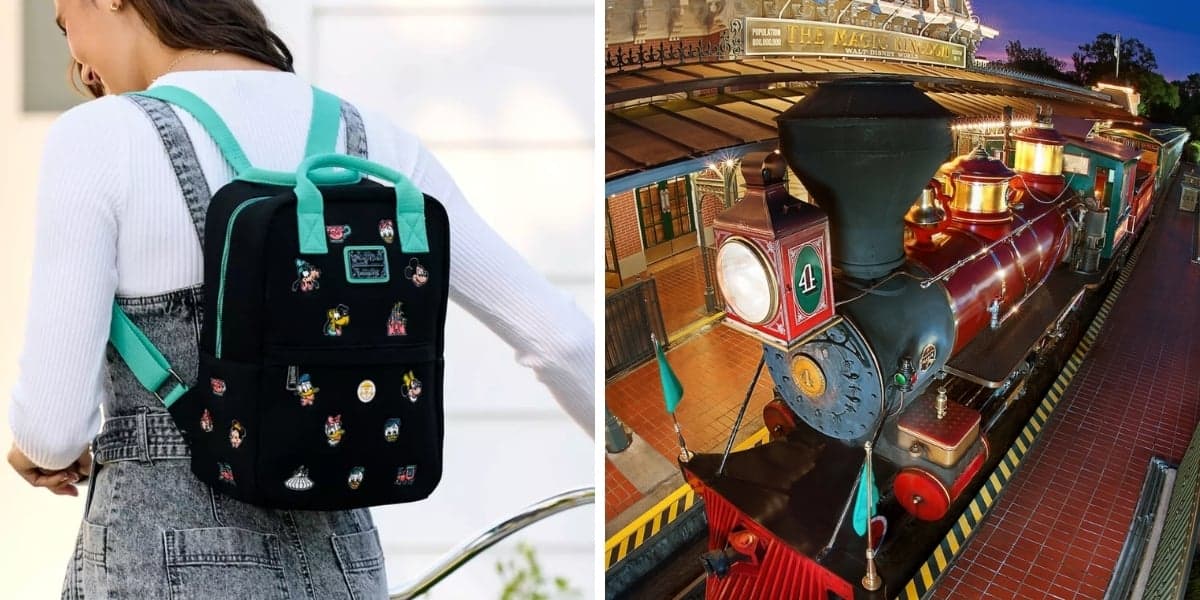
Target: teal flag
{"type": "Point", "coordinates": [865, 500]}
{"type": "Point", "coordinates": [672, 389]}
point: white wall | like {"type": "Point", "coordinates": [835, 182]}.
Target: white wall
{"type": "Point", "coordinates": [502, 91]}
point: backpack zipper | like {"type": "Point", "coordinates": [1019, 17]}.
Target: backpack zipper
{"type": "Point", "coordinates": [225, 263]}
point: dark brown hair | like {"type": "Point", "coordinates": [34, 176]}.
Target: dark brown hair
{"type": "Point", "coordinates": [233, 26]}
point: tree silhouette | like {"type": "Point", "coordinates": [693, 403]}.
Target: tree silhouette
{"type": "Point", "coordinates": [1035, 61]}
{"type": "Point", "coordinates": [1097, 62]}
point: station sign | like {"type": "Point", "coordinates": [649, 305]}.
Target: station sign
{"type": "Point", "coordinates": [818, 38]}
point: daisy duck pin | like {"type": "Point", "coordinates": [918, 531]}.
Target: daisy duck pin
{"type": "Point", "coordinates": [333, 430]}
{"type": "Point", "coordinates": [387, 231]}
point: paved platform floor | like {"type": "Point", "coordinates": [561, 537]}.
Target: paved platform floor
{"type": "Point", "coordinates": [715, 368]}
{"type": "Point", "coordinates": [1059, 527]}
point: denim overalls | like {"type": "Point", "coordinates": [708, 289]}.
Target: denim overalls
{"type": "Point", "coordinates": [150, 528]}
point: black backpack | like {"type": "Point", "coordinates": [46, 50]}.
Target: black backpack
{"type": "Point", "coordinates": [320, 378]}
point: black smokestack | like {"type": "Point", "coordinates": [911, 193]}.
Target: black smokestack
{"type": "Point", "coordinates": [865, 148]}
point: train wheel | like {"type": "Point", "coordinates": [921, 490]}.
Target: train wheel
{"type": "Point", "coordinates": [779, 419]}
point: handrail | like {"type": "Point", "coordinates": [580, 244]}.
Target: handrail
{"type": "Point", "coordinates": [456, 558]}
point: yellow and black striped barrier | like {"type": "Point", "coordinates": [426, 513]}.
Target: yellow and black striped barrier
{"type": "Point", "coordinates": [649, 523]}
{"type": "Point", "coordinates": [956, 539]}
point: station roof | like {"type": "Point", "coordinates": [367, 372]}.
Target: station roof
{"type": "Point", "coordinates": [652, 120]}
{"type": "Point", "coordinates": [1076, 131]}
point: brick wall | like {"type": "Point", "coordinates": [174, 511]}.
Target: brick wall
{"type": "Point", "coordinates": [711, 205]}
{"type": "Point", "coordinates": [622, 208]}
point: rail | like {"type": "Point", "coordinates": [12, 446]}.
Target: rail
{"type": "Point", "coordinates": [1038, 79]}
{"type": "Point", "coordinates": [490, 537]}
{"type": "Point", "coordinates": [952, 269]}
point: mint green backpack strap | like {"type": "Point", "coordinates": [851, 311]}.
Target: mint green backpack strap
{"type": "Point", "coordinates": [326, 119]}
{"type": "Point", "coordinates": [147, 363]}
{"type": "Point", "coordinates": [208, 118]}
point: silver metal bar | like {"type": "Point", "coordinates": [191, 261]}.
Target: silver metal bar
{"type": "Point", "coordinates": [952, 269]}
{"type": "Point", "coordinates": [456, 558]}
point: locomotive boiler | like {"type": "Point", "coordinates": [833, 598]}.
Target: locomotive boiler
{"type": "Point", "coordinates": [867, 304]}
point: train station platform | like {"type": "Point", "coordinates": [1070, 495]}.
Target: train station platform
{"type": "Point", "coordinates": [1058, 528]}
{"type": "Point", "coordinates": [715, 366]}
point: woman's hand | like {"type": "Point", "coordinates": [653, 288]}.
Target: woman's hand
{"type": "Point", "coordinates": [61, 482]}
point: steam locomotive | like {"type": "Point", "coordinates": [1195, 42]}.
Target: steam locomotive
{"type": "Point", "coordinates": [914, 306]}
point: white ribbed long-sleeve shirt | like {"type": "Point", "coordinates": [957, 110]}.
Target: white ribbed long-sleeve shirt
{"type": "Point", "coordinates": [112, 220]}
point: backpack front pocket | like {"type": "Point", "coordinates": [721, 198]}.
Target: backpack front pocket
{"type": "Point", "coordinates": [350, 427]}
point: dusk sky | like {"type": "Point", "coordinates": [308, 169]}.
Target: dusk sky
{"type": "Point", "coordinates": [1171, 28]}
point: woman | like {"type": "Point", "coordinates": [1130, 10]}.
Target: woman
{"type": "Point", "coordinates": [119, 216]}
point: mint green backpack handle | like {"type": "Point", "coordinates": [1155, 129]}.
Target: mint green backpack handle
{"type": "Point", "coordinates": [310, 206]}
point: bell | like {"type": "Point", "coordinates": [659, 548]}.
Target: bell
{"type": "Point", "coordinates": [926, 212]}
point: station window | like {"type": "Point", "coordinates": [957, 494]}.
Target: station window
{"type": "Point", "coordinates": [665, 211]}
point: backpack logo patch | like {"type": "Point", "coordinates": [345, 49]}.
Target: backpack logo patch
{"type": "Point", "coordinates": [367, 264]}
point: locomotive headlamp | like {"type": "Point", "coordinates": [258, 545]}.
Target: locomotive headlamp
{"type": "Point", "coordinates": [746, 281]}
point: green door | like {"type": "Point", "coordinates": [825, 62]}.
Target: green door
{"type": "Point", "coordinates": [665, 215]}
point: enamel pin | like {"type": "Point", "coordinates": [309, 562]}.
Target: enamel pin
{"type": "Point", "coordinates": [412, 386]}
{"type": "Point", "coordinates": [333, 430]}
{"type": "Point", "coordinates": [387, 231]}
{"type": "Point", "coordinates": [336, 319]}
{"type": "Point", "coordinates": [397, 322]}
{"type": "Point", "coordinates": [206, 421]}
{"type": "Point", "coordinates": [366, 391]}
{"type": "Point", "coordinates": [225, 473]}
{"type": "Point", "coordinates": [218, 386]}
{"type": "Point", "coordinates": [337, 233]}
{"type": "Point", "coordinates": [391, 430]}
{"type": "Point", "coordinates": [306, 390]}
{"type": "Point", "coordinates": [406, 475]}
{"type": "Point", "coordinates": [237, 433]}
{"type": "Point", "coordinates": [299, 481]}
{"type": "Point", "coordinates": [306, 277]}
{"type": "Point", "coordinates": [356, 477]}
{"type": "Point", "coordinates": [416, 272]}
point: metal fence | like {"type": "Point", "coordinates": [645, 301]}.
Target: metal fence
{"type": "Point", "coordinates": [630, 316]}
{"type": "Point", "coordinates": [710, 266]}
